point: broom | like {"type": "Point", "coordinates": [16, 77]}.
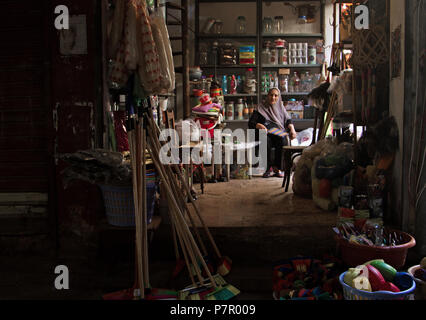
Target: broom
{"type": "Point", "coordinates": [225, 262]}
{"type": "Point", "coordinates": [183, 230]}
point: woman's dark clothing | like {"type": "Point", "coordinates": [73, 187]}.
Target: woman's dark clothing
{"type": "Point", "coordinates": [274, 142]}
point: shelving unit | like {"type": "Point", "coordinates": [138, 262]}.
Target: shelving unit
{"type": "Point", "coordinates": [254, 10]}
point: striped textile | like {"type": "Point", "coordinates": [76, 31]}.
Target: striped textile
{"type": "Point", "coordinates": [278, 132]}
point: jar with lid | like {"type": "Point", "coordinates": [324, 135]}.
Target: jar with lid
{"type": "Point", "coordinates": [267, 25]}
{"type": "Point", "coordinates": [296, 83]}
{"type": "Point", "coordinates": [278, 25]}
{"type": "Point", "coordinates": [282, 56]}
{"type": "Point", "coordinates": [274, 57]}
{"type": "Point", "coordinates": [240, 25]}
{"type": "Point", "coordinates": [246, 111]}
{"type": "Point", "coordinates": [229, 109]}
{"type": "Point", "coordinates": [218, 27]}
{"type": "Point", "coordinates": [312, 54]}
{"type": "Point", "coordinates": [239, 110]}
{"type": "Point", "coordinates": [266, 56]}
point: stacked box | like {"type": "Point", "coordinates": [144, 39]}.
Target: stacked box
{"type": "Point", "coordinates": [247, 55]}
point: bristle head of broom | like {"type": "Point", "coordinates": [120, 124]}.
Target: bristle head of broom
{"type": "Point", "coordinates": [225, 266]}
{"type": "Point", "coordinates": [224, 293]}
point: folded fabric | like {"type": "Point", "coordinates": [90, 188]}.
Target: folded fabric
{"type": "Point", "coordinates": [207, 107]}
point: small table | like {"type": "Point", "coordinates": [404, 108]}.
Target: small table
{"type": "Point", "coordinates": [289, 154]}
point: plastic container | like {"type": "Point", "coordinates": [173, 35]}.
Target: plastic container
{"type": "Point", "coordinates": [350, 293]}
{"type": "Point", "coordinates": [119, 207]}
{"type": "Point", "coordinates": [356, 254]}
{"type": "Point", "coordinates": [420, 284]}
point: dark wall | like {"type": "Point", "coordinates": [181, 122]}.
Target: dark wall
{"type": "Point", "coordinates": [414, 171]}
{"type": "Point", "coordinates": [76, 101]}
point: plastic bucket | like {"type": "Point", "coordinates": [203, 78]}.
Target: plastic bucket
{"type": "Point", "coordinates": [350, 293]}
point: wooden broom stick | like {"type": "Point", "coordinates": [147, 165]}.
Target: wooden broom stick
{"type": "Point", "coordinates": [174, 184]}
{"type": "Point", "coordinates": [183, 181]}
{"type": "Point", "coordinates": [176, 214]}
{"type": "Point", "coordinates": [180, 222]}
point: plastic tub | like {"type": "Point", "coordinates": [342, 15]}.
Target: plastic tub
{"type": "Point", "coordinates": [357, 254]}
{"type": "Point", "coordinates": [421, 285]}
{"type": "Point", "coordinates": [350, 293]}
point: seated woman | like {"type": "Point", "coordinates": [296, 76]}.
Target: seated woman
{"type": "Point", "coordinates": [273, 115]}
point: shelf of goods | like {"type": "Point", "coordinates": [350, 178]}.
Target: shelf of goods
{"type": "Point", "coordinates": [235, 26]}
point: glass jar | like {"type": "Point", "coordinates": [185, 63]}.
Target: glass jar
{"type": "Point", "coordinates": [240, 25]}
{"type": "Point", "coordinates": [274, 57]}
{"type": "Point", "coordinates": [267, 25]}
{"type": "Point", "coordinates": [218, 27]}
{"type": "Point", "coordinates": [278, 26]}
{"type": "Point", "coordinates": [266, 56]}
{"type": "Point", "coordinates": [282, 56]}
{"type": "Point", "coordinates": [312, 55]}
{"type": "Point", "coordinates": [296, 83]}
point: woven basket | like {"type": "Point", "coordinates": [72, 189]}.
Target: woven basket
{"type": "Point", "coordinates": [119, 206]}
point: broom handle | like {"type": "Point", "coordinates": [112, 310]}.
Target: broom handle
{"type": "Point", "coordinates": [180, 222]}
{"type": "Point", "coordinates": [190, 197]}
{"type": "Point", "coordinates": [144, 204]}
{"type": "Point", "coordinates": [174, 181]}
{"type": "Point", "coordinates": [175, 210]}
{"type": "Point", "coordinates": [139, 275]}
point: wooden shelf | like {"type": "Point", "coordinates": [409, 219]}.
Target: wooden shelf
{"type": "Point", "coordinates": [235, 121]}
{"type": "Point", "coordinates": [240, 95]}
{"type": "Point", "coordinates": [227, 36]}
{"type": "Point", "coordinates": [292, 35]}
{"type": "Point", "coordinates": [288, 66]}
{"type": "Point", "coordinates": [232, 66]}
{"type": "Point", "coordinates": [290, 94]}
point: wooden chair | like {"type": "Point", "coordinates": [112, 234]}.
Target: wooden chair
{"type": "Point", "coordinates": [292, 152]}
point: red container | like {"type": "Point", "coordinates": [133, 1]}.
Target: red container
{"type": "Point", "coordinates": [357, 254]}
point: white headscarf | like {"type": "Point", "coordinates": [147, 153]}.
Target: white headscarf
{"type": "Point", "coordinates": [276, 113]}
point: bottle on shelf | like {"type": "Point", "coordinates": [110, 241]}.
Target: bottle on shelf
{"type": "Point", "coordinates": [240, 25]}
{"type": "Point", "coordinates": [203, 56]}
{"type": "Point", "coordinates": [296, 83]}
{"type": "Point", "coordinates": [239, 110]}
{"type": "Point", "coordinates": [224, 84]}
{"type": "Point", "coordinates": [312, 55]}
{"type": "Point", "coordinates": [274, 56]}
{"type": "Point", "coordinates": [246, 111]}
{"type": "Point", "coordinates": [283, 78]}
{"type": "Point", "coordinates": [251, 108]}
{"type": "Point", "coordinates": [232, 85]}
{"type": "Point", "coordinates": [229, 110]}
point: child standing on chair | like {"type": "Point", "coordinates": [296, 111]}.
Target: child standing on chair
{"type": "Point", "coordinates": [272, 117]}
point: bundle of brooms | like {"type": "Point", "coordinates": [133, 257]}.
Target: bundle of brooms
{"type": "Point", "coordinates": [143, 134]}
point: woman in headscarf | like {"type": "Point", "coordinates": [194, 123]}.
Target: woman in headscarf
{"type": "Point", "coordinates": [272, 115]}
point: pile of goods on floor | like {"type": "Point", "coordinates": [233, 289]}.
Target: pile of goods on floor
{"type": "Point", "coordinates": [376, 280]}
{"type": "Point", "coordinates": [305, 278]}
